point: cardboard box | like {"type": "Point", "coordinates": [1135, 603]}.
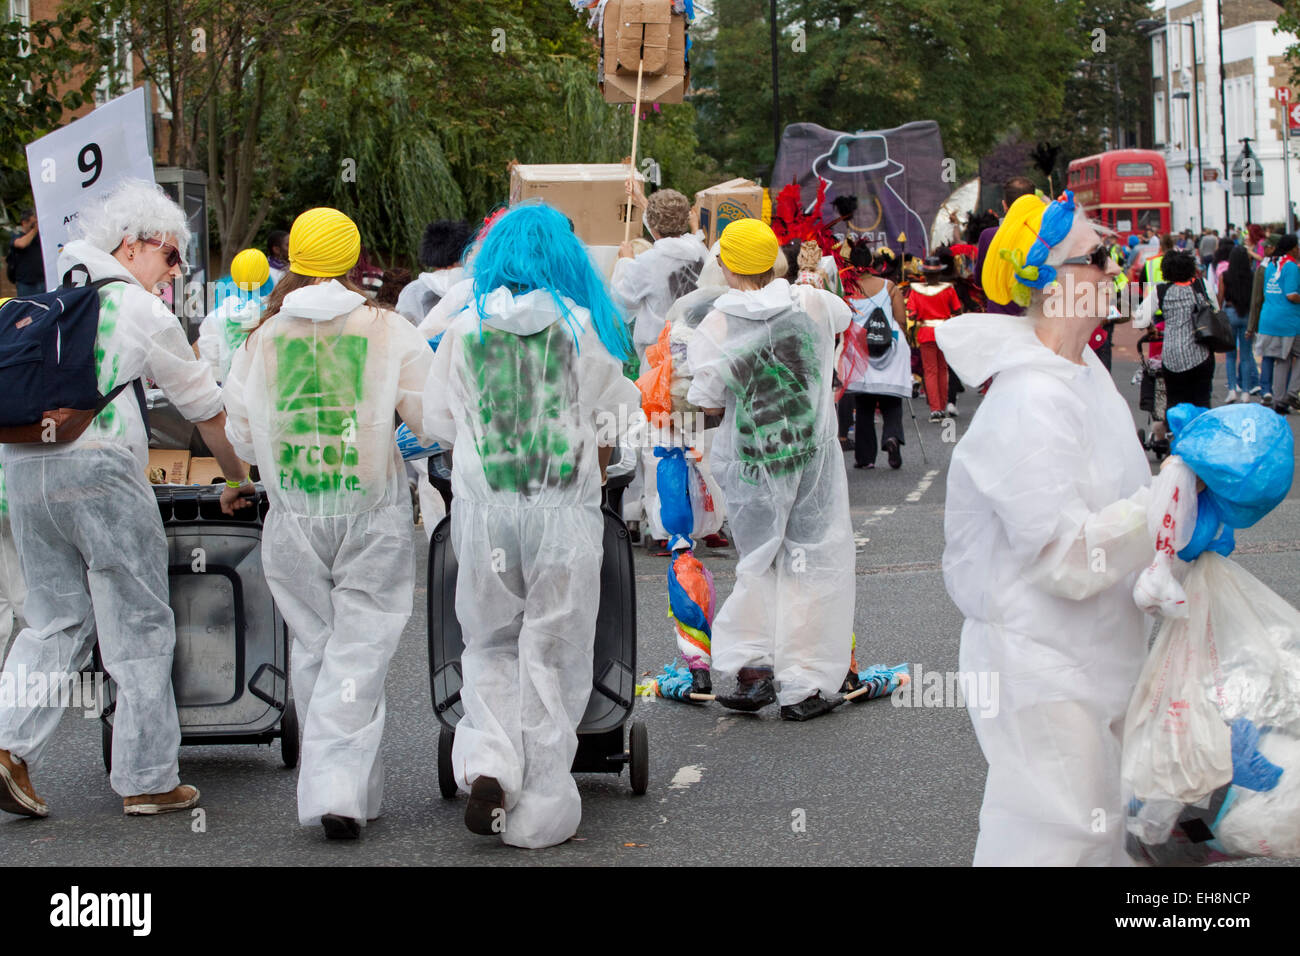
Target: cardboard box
{"type": "Point", "coordinates": [205, 471]}
{"type": "Point", "coordinates": [169, 464]}
{"type": "Point", "coordinates": [648, 33]}
{"type": "Point", "coordinates": [590, 194]}
{"type": "Point", "coordinates": [726, 202]}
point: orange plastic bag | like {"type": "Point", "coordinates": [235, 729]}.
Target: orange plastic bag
{"type": "Point", "coordinates": [656, 383]}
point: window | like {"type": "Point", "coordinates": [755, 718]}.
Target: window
{"type": "Point", "coordinates": [1175, 48]}
{"type": "Point", "coordinates": [1160, 119]}
{"type": "Point", "coordinates": [21, 10]}
{"type": "Point", "coordinates": [118, 76]}
{"type": "Point", "coordinates": [1134, 169]}
{"type": "Point", "coordinates": [1158, 55]}
{"type": "Point", "coordinates": [1199, 24]}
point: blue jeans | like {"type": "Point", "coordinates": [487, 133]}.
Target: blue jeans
{"type": "Point", "coordinates": [1242, 372]}
{"type": "Point", "coordinates": [30, 288]}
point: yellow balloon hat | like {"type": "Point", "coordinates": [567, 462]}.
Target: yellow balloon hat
{"type": "Point", "coordinates": [323, 243]}
{"type": "Point", "coordinates": [1018, 232]}
{"type": "Point", "coordinates": [250, 270]}
{"type": "Point", "coordinates": [1016, 261]}
{"type": "Point", "coordinates": [748, 247]}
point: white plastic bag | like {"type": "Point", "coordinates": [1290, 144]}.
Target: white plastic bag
{"type": "Point", "coordinates": [1233, 660]}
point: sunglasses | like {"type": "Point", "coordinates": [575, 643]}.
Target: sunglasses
{"type": "Point", "coordinates": [173, 254]}
{"type": "Point", "coordinates": [1098, 259]}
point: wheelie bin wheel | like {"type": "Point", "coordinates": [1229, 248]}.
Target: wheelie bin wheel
{"type": "Point", "coordinates": [638, 747]}
{"type": "Point", "coordinates": [446, 776]}
{"type": "Point", "coordinates": [289, 734]}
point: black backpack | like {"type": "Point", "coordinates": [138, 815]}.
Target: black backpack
{"type": "Point", "coordinates": [49, 392]}
{"type": "Point", "coordinates": [880, 336]}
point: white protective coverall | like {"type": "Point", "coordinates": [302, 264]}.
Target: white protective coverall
{"type": "Point", "coordinates": [522, 405]}
{"type": "Point", "coordinates": [224, 329]}
{"type": "Point", "coordinates": [13, 591]}
{"type": "Point", "coordinates": [648, 285]}
{"type": "Point", "coordinates": [91, 541]}
{"type": "Point", "coordinates": [1045, 529]}
{"type": "Point", "coordinates": [766, 356]}
{"type": "Point", "coordinates": [419, 296]}
{"type": "Point", "coordinates": [310, 399]}
{"type": "Point", "coordinates": [449, 306]}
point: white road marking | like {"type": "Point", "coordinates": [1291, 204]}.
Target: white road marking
{"type": "Point", "coordinates": [922, 486]}
{"type": "Point", "coordinates": [683, 778]}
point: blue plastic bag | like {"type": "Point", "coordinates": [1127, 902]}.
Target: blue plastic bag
{"type": "Point", "coordinates": [672, 476]}
{"type": "Point", "coordinates": [1244, 453]}
{"type": "Point", "coordinates": [410, 446]}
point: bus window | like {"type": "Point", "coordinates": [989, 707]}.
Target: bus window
{"type": "Point", "coordinates": [1128, 170]}
{"type": "Point", "coordinates": [1124, 225]}
{"type": "Point", "coordinates": [1149, 219]}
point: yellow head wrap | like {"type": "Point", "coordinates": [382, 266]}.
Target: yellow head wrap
{"type": "Point", "coordinates": [324, 243]}
{"type": "Point", "coordinates": [250, 270]}
{"type": "Point", "coordinates": [748, 247]}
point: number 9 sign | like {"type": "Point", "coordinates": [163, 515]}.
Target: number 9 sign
{"type": "Point", "coordinates": [79, 163]}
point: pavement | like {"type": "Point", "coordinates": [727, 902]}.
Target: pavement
{"type": "Point", "coordinates": [871, 783]}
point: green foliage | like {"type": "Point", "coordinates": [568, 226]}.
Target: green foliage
{"type": "Point", "coordinates": [50, 67]}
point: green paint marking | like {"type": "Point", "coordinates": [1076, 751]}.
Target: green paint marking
{"type": "Point", "coordinates": [319, 387]}
{"type": "Point", "coordinates": [775, 412]}
{"type": "Point", "coordinates": [527, 393]}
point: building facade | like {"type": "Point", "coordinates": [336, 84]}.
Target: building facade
{"type": "Point", "coordinates": [1192, 100]}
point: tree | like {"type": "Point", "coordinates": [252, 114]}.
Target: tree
{"type": "Point", "coordinates": [50, 63]}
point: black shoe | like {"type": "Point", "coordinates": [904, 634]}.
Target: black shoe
{"type": "Point", "coordinates": [866, 464]}
{"type": "Point", "coordinates": [810, 707]}
{"type": "Point", "coordinates": [340, 828]}
{"type": "Point", "coordinates": [846, 444]}
{"type": "Point", "coordinates": [754, 690]}
{"type": "Point", "coordinates": [634, 532]}
{"type": "Point", "coordinates": [486, 798]}
{"type": "Point", "coordinates": [1281, 406]}
{"type": "Point", "coordinates": [701, 681]}
{"type": "Point", "coordinates": [895, 456]}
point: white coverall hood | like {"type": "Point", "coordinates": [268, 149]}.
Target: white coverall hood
{"type": "Point", "coordinates": [100, 264]}
{"type": "Point", "coordinates": [979, 345]}
{"type": "Point", "coordinates": [320, 302]}
{"type": "Point", "coordinates": [772, 299]}
{"type": "Point", "coordinates": [525, 314]}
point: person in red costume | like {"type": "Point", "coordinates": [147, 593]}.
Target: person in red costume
{"type": "Point", "coordinates": [929, 303]}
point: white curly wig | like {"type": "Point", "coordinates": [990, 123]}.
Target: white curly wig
{"type": "Point", "coordinates": [133, 210]}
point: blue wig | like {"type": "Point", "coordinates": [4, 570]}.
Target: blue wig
{"type": "Point", "coordinates": [533, 247]}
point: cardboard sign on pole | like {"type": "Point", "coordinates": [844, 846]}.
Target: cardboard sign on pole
{"type": "Point", "coordinates": [636, 32]}
{"type": "Point", "coordinates": [81, 162]}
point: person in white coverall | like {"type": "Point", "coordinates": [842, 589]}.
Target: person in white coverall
{"type": "Point", "coordinates": [13, 590]}
{"type": "Point", "coordinates": [1046, 529]}
{"type": "Point", "coordinates": [86, 524]}
{"type": "Point", "coordinates": [765, 355]}
{"type": "Point", "coordinates": [224, 329]}
{"type": "Point", "coordinates": [441, 250]}
{"type": "Point", "coordinates": [646, 286]}
{"type": "Point", "coordinates": [310, 399]}
{"type": "Point", "coordinates": [524, 382]}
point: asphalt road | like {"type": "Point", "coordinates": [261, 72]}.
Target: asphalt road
{"type": "Point", "coordinates": [869, 784]}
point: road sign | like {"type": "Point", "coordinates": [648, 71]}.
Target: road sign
{"type": "Point", "coordinates": [1283, 94]}
{"type": "Point", "coordinates": [1294, 113]}
{"type": "Point", "coordinates": [1247, 175]}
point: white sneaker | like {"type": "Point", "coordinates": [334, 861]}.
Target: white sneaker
{"type": "Point", "coordinates": [1256, 390]}
{"type": "Point", "coordinates": [952, 409]}
{"type": "Point", "coordinates": [1231, 397]}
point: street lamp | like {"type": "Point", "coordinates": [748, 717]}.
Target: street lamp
{"type": "Point", "coordinates": [1150, 28]}
{"type": "Point", "coordinates": [1187, 125]}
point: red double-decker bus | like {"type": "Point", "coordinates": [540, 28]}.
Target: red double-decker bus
{"type": "Point", "coordinates": [1126, 189]}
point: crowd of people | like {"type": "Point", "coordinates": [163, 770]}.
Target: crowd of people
{"type": "Point", "coordinates": [512, 352]}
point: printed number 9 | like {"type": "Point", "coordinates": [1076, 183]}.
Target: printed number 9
{"type": "Point", "coordinates": [96, 163]}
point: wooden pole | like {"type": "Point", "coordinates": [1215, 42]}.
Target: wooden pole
{"type": "Point", "coordinates": [636, 129]}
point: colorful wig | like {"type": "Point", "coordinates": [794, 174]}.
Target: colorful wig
{"type": "Point", "coordinates": [533, 247]}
